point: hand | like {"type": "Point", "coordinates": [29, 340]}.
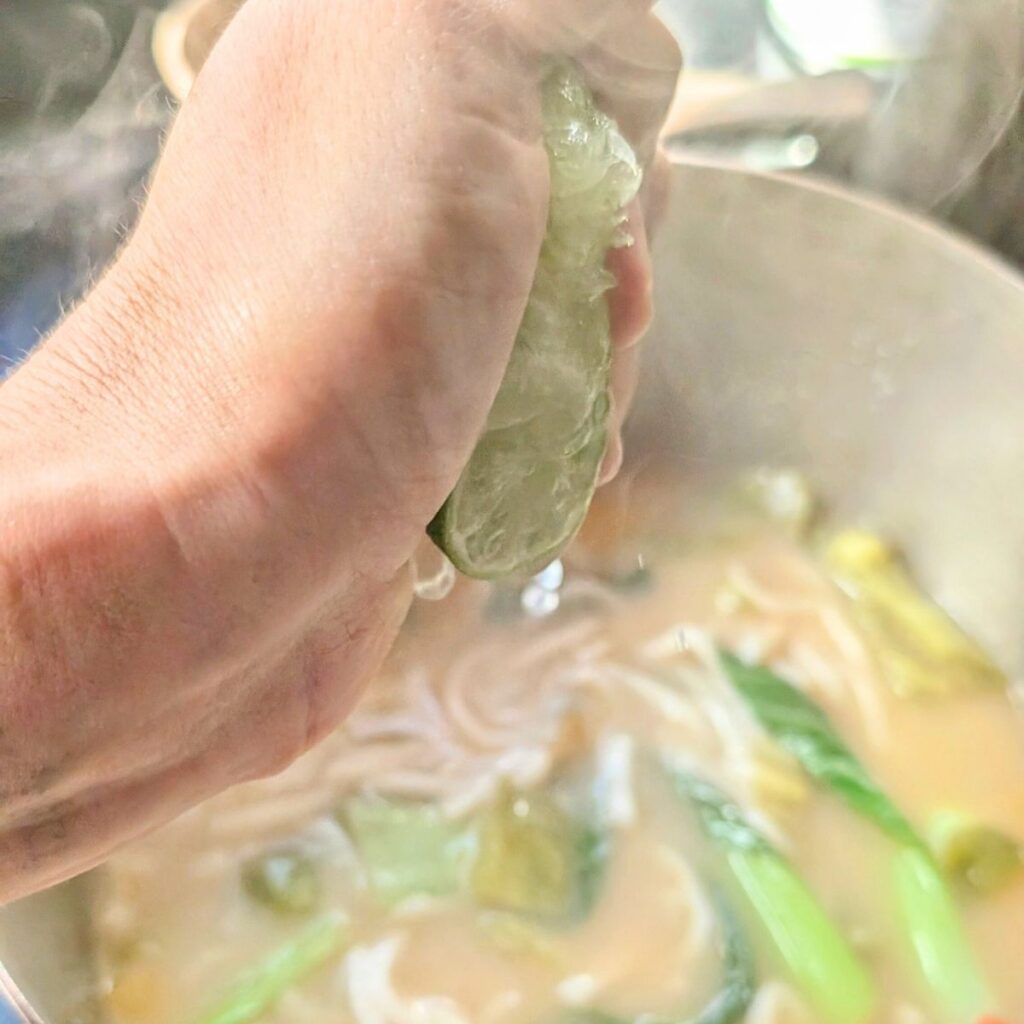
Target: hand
{"type": "Point", "coordinates": [216, 472]}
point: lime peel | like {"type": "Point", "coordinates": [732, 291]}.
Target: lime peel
{"type": "Point", "coordinates": [530, 480]}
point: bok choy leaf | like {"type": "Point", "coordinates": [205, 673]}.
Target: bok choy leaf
{"type": "Point", "coordinates": [936, 933]}
{"type": "Point", "coordinates": [820, 960]}
{"type": "Point", "coordinates": [408, 849]}
{"type": "Point", "coordinates": [927, 909]}
{"type": "Point", "coordinates": [801, 727]}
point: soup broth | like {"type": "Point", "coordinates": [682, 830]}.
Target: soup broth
{"type": "Point", "coordinates": [566, 803]}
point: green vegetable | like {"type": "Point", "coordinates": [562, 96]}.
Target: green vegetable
{"type": "Point", "coordinates": [938, 938]}
{"type": "Point", "coordinates": [592, 852]}
{"type": "Point", "coordinates": [922, 650]}
{"type": "Point", "coordinates": [284, 879]}
{"type": "Point", "coordinates": [820, 960]}
{"type": "Point", "coordinates": [944, 958]}
{"type": "Point", "coordinates": [802, 728]}
{"type": "Point", "coordinates": [534, 858]}
{"type": "Point", "coordinates": [408, 849]}
{"type": "Point", "coordinates": [739, 977]}
{"type": "Point", "coordinates": [257, 992]}
{"type": "Point", "coordinates": [722, 820]}
{"type": "Point", "coordinates": [530, 480]}
{"type": "Point", "coordinates": [735, 994]}
{"type": "Point", "coordinates": [981, 858]}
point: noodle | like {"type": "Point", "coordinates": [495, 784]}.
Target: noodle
{"type": "Point", "coordinates": [740, 579]}
{"type": "Point", "coordinates": [805, 662]}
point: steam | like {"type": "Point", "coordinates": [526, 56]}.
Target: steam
{"type": "Point", "coordinates": [955, 108]}
{"type": "Point", "coordinates": [69, 193]}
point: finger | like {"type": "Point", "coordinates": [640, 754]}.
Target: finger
{"type": "Point", "coordinates": [634, 72]}
{"type": "Point", "coordinates": [630, 305]}
{"type": "Point", "coordinates": [625, 374]}
{"type": "Point", "coordinates": [654, 196]}
{"type": "Point", "coordinates": [612, 458]}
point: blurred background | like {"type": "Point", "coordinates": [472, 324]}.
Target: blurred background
{"type": "Point", "coordinates": [917, 101]}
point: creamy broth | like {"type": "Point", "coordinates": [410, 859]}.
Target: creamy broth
{"type": "Point", "coordinates": [481, 703]}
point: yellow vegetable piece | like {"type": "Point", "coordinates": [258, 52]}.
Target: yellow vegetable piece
{"type": "Point", "coordinates": [922, 651]}
{"type": "Point", "coordinates": [978, 856]}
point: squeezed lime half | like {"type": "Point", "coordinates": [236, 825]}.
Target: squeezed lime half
{"type": "Point", "coordinates": [532, 476]}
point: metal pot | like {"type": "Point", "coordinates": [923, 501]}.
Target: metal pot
{"type": "Point", "coordinates": [803, 326]}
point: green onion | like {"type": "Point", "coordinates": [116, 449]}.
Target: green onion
{"type": "Point", "coordinates": [820, 960]}
{"type": "Point", "coordinates": [258, 991]}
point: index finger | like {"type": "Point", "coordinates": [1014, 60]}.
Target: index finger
{"type": "Point", "coordinates": [634, 73]}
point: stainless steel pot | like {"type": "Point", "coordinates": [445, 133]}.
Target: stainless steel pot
{"type": "Point", "coordinates": [796, 325]}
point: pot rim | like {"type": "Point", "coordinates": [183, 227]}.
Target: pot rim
{"type": "Point", "coordinates": [938, 234]}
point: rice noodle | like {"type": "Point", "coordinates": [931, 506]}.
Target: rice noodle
{"type": "Point", "coordinates": [741, 580]}
{"type": "Point", "coordinates": [652, 691]}
{"type": "Point", "coordinates": [835, 684]}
